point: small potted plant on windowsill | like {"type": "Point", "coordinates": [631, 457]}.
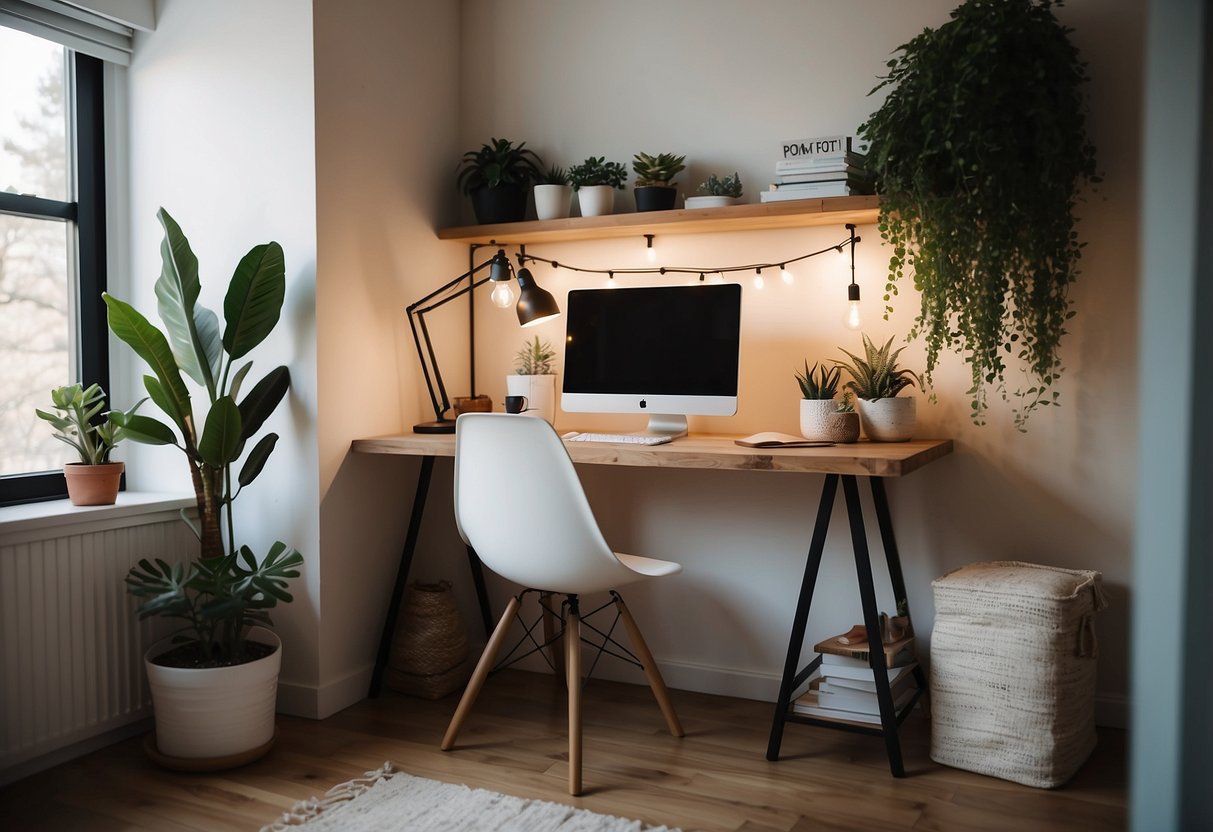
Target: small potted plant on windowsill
{"type": "Point", "coordinates": [876, 380]}
{"type": "Point", "coordinates": [535, 378]}
{"type": "Point", "coordinates": [497, 178]}
{"type": "Point", "coordinates": [595, 182]}
{"type": "Point", "coordinates": [821, 418]}
{"type": "Point", "coordinates": [553, 194]}
{"type": "Point", "coordinates": [655, 187]}
{"type": "Point", "coordinates": [94, 480]}
{"type": "Point", "coordinates": [716, 193]}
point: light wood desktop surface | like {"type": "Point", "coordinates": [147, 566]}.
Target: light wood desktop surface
{"type": "Point", "coordinates": [864, 459]}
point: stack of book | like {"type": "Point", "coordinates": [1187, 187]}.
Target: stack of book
{"type": "Point", "coordinates": [820, 167]}
{"type": "Point", "coordinates": [845, 687]}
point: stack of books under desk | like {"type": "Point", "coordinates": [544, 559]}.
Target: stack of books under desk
{"type": "Point", "coordinates": [844, 687]}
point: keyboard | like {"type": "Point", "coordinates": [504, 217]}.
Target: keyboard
{"type": "Point", "coordinates": [625, 438]}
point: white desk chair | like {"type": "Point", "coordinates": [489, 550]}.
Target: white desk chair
{"type": "Point", "coordinates": [520, 505]}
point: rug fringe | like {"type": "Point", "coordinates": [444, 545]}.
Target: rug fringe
{"type": "Point", "coordinates": [306, 810]}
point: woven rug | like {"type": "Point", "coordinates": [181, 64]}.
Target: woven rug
{"type": "Point", "coordinates": [388, 800]}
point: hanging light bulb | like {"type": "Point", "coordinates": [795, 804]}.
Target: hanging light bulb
{"type": "Point", "coordinates": [503, 295]}
{"type": "Point", "coordinates": [649, 251]}
{"type": "Point", "coordinates": [758, 280]}
{"type": "Point", "coordinates": [853, 320]}
{"type": "Point", "coordinates": [611, 284]}
{"type": "Point", "coordinates": [785, 275]}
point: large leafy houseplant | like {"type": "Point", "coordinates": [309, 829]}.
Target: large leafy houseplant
{"type": "Point", "coordinates": [227, 589]}
{"type": "Point", "coordinates": [979, 151]}
{"type": "Point", "coordinates": [497, 178]}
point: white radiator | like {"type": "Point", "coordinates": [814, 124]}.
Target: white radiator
{"type": "Point", "coordinates": [70, 643]}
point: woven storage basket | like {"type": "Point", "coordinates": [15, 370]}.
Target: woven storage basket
{"type": "Point", "coordinates": [1013, 670]}
{"type": "Point", "coordinates": [429, 648]}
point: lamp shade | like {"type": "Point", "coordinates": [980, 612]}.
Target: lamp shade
{"type": "Point", "coordinates": [535, 304]}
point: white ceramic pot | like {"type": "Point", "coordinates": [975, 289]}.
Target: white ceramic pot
{"type": "Point", "coordinates": [553, 202]}
{"type": "Point", "coordinates": [216, 712]}
{"type": "Point", "coordinates": [820, 421]}
{"type": "Point", "coordinates": [540, 392]}
{"type": "Point", "coordinates": [596, 200]}
{"type": "Point", "coordinates": [888, 420]}
{"type": "Point", "coordinates": [712, 201]}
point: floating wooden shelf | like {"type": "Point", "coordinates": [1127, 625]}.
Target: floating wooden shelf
{"type": "Point", "coordinates": [800, 213]}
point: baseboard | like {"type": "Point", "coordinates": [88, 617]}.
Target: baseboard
{"type": "Point", "coordinates": [321, 702]}
{"type": "Point", "coordinates": [71, 752]}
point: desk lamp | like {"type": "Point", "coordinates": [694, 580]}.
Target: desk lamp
{"type": "Point", "coordinates": [534, 305]}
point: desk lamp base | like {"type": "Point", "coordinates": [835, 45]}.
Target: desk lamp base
{"type": "Point", "coordinates": [441, 426]}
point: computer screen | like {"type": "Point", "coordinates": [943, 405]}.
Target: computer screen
{"type": "Point", "coordinates": [667, 351]}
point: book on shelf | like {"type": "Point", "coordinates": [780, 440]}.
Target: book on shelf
{"type": "Point", "coordinates": [867, 685]}
{"type": "Point", "coordinates": [815, 188]}
{"type": "Point", "coordinates": [809, 705]}
{"type": "Point", "coordinates": [825, 173]}
{"type": "Point", "coordinates": [853, 645]}
{"type": "Point", "coordinates": [771, 439]}
{"type": "Point", "coordinates": [827, 189]}
{"type": "Point", "coordinates": [816, 163]}
{"type": "Point", "coordinates": [862, 702]}
{"type": "Point", "coordinates": [862, 671]}
{"type": "Point", "coordinates": [820, 146]}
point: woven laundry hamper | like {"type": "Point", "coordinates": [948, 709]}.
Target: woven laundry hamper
{"type": "Point", "coordinates": [1013, 670]}
{"type": "Point", "coordinates": [429, 656]}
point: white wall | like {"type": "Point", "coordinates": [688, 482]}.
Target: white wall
{"type": "Point", "coordinates": [222, 136]}
{"type": "Point", "coordinates": [725, 83]}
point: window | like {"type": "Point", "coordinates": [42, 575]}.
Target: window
{"type": "Point", "coordinates": [52, 250]}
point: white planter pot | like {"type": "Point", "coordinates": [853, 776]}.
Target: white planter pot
{"type": "Point", "coordinates": [596, 200]}
{"type": "Point", "coordinates": [540, 392]}
{"type": "Point", "coordinates": [553, 202]}
{"type": "Point", "coordinates": [712, 201]}
{"type": "Point", "coordinates": [218, 712]}
{"type": "Point", "coordinates": [820, 421]}
{"type": "Point", "coordinates": [888, 420]}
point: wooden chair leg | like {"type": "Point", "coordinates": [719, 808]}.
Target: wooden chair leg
{"type": "Point", "coordinates": [555, 651]}
{"type": "Point", "coordinates": [660, 692]}
{"type": "Point", "coordinates": [480, 674]}
{"type": "Point", "coordinates": [572, 645]}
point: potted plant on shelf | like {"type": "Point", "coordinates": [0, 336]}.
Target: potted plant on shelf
{"type": "Point", "coordinates": [876, 380]}
{"type": "Point", "coordinates": [979, 152]}
{"type": "Point", "coordinates": [595, 182]}
{"type": "Point", "coordinates": [654, 189]}
{"type": "Point", "coordinates": [821, 419]}
{"type": "Point", "coordinates": [497, 178]}
{"type": "Point", "coordinates": [214, 683]}
{"type": "Point", "coordinates": [534, 378]}
{"type": "Point", "coordinates": [553, 194]}
{"type": "Point", "coordinates": [714, 193]}
{"type": "Point", "coordinates": [94, 480]}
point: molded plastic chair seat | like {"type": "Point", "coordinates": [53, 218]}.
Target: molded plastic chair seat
{"type": "Point", "coordinates": [519, 504]}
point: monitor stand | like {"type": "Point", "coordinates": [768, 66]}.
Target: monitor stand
{"type": "Point", "coordinates": [663, 424]}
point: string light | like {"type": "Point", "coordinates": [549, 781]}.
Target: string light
{"type": "Point", "coordinates": [650, 252]}
{"type": "Point", "coordinates": [853, 320]}
{"type": "Point", "coordinates": [785, 275]}
{"type": "Point", "coordinates": [758, 281]}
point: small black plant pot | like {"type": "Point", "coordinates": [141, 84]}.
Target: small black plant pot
{"type": "Point", "coordinates": [655, 198]}
{"type": "Point", "coordinates": [505, 203]}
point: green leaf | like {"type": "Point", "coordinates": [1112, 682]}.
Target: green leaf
{"type": "Point", "coordinates": [144, 429]}
{"type": "Point", "coordinates": [254, 299]}
{"type": "Point", "coordinates": [176, 294]}
{"type": "Point", "coordinates": [256, 459]}
{"type": "Point", "coordinates": [163, 401]}
{"type": "Point", "coordinates": [262, 399]}
{"type": "Point", "coordinates": [221, 442]}
{"type": "Point", "coordinates": [150, 344]}
{"type": "Point", "coordinates": [233, 389]}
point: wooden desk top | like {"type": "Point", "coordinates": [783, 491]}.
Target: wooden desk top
{"type": "Point", "coordinates": [866, 459]}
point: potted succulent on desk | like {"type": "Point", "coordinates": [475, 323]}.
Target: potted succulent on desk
{"type": "Point", "coordinates": [715, 193]}
{"type": "Point", "coordinates": [214, 683]}
{"type": "Point", "coordinates": [497, 178]}
{"type": "Point", "coordinates": [553, 194]}
{"type": "Point", "coordinates": [595, 182]}
{"type": "Point", "coordinates": [535, 378]}
{"type": "Point", "coordinates": [821, 418]}
{"type": "Point", "coordinates": [654, 190]}
{"type": "Point", "coordinates": [94, 480]}
{"type": "Point", "coordinates": [876, 380]}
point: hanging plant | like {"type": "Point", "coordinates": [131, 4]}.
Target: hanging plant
{"type": "Point", "coordinates": [978, 153]}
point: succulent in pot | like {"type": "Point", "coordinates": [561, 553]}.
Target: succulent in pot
{"type": "Point", "coordinates": [821, 418]}
{"type": "Point", "coordinates": [876, 380]}
{"type": "Point", "coordinates": [654, 190]}
{"type": "Point", "coordinates": [79, 422]}
{"type": "Point", "coordinates": [595, 181]}
{"type": "Point", "coordinates": [714, 192]}
{"type": "Point", "coordinates": [553, 194]}
{"type": "Point", "coordinates": [497, 177]}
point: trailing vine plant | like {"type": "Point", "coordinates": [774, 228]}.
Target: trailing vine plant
{"type": "Point", "coordinates": [978, 153]}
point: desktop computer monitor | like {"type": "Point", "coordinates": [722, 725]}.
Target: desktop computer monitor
{"type": "Point", "coordinates": [668, 352]}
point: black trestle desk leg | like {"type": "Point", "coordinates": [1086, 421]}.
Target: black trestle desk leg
{"type": "Point", "coordinates": [402, 575]}
{"type": "Point", "coordinates": [871, 620]}
{"type": "Point", "coordinates": [482, 594]}
{"type": "Point", "coordinates": [796, 641]}
{"type": "Point", "coordinates": [893, 558]}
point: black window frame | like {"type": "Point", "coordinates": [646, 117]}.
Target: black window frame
{"type": "Point", "coordinates": [88, 214]}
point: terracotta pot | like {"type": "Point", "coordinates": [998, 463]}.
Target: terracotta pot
{"type": "Point", "coordinates": [93, 485]}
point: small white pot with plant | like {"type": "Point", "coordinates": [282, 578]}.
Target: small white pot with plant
{"type": "Point", "coordinates": [595, 181]}
{"type": "Point", "coordinates": [876, 380]}
{"type": "Point", "coordinates": [94, 480]}
{"type": "Point", "coordinates": [535, 379]}
{"type": "Point", "coordinates": [716, 193]}
{"type": "Point", "coordinates": [822, 419]}
{"type": "Point", "coordinates": [553, 195]}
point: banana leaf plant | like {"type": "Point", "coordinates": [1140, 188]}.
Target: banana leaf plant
{"type": "Point", "coordinates": [227, 590]}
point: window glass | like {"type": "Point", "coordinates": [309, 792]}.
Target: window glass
{"type": "Point", "coordinates": [33, 118]}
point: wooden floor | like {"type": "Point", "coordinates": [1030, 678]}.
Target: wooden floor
{"type": "Point", "coordinates": [716, 778]}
